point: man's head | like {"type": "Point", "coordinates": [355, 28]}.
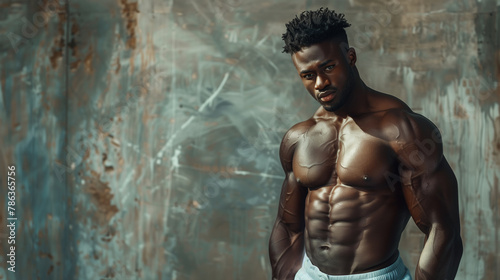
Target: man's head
{"type": "Point", "coordinates": [318, 44]}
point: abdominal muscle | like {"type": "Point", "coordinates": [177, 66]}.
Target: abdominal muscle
{"type": "Point", "coordinates": [350, 230]}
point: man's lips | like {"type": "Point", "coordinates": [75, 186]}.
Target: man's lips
{"type": "Point", "coordinates": [326, 96]}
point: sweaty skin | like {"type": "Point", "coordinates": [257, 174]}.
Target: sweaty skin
{"type": "Point", "coordinates": [355, 173]}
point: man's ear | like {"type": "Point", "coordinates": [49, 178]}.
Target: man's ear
{"type": "Point", "coordinates": [351, 56]}
{"type": "Point", "coordinates": [349, 52]}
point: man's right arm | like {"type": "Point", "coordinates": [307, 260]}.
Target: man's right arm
{"type": "Point", "coordinates": [286, 245]}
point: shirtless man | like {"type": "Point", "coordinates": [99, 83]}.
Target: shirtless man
{"type": "Point", "coordinates": [356, 171]}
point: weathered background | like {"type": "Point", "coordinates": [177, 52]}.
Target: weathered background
{"type": "Point", "coordinates": [145, 134]}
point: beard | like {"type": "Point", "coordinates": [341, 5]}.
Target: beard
{"type": "Point", "coordinates": [341, 97]}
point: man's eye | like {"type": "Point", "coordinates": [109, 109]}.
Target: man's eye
{"type": "Point", "coordinates": [329, 67]}
{"type": "Point", "coordinates": [307, 76]}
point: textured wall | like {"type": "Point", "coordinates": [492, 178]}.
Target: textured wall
{"type": "Point", "coordinates": [145, 134]}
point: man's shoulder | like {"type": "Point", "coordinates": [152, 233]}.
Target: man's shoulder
{"type": "Point", "coordinates": [298, 130]}
{"type": "Point", "coordinates": [293, 136]}
{"type": "Point", "coordinates": [290, 140]}
{"type": "Point", "coordinates": [409, 124]}
{"type": "Point", "coordinates": [398, 111]}
{"type": "Point", "coordinates": [414, 138]}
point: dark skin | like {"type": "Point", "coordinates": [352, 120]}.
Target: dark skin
{"type": "Point", "coordinates": [355, 173]}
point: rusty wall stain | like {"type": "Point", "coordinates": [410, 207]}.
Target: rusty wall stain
{"type": "Point", "coordinates": [101, 196]}
{"type": "Point", "coordinates": [129, 13]}
{"type": "Point", "coordinates": [59, 41]}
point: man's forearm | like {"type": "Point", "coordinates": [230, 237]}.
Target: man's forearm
{"type": "Point", "coordinates": [440, 257]}
{"type": "Point", "coordinates": [286, 252]}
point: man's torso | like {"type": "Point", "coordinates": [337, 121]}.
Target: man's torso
{"type": "Point", "coordinates": [353, 215]}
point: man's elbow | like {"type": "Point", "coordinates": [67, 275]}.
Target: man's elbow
{"type": "Point", "coordinates": [458, 247]}
{"type": "Point", "coordinates": [455, 254]}
{"type": "Point", "coordinates": [449, 240]}
{"type": "Point", "coordinates": [455, 242]}
{"type": "Point", "coordinates": [453, 248]}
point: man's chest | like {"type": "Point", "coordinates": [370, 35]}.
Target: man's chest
{"type": "Point", "coordinates": [332, 153]}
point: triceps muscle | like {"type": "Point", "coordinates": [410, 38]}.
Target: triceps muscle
{"type": "Point", "coordinates": [286, 245]}
{"type": "Point", "coordinates": [292, 204]}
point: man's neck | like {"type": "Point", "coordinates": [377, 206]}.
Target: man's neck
{"type": "Point", "coordinates": [357, 103]}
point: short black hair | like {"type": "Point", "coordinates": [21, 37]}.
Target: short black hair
{"type": "Point", "coordinates": [313, 27]}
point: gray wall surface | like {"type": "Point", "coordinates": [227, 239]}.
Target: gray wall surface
{"type": "Point", "coordinates": [145, 134]}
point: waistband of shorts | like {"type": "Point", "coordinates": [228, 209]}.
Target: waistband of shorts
{"type": "Point", "coordinates": [393, 272]}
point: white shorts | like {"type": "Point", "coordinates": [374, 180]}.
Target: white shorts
{"type": "Point", "coordinates": [396, 271]}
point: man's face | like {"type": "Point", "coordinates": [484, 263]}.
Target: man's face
{"type": "Point", "coordinates": [326, 70]}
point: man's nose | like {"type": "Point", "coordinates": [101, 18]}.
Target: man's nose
{"type": "Point", "coordinates": [321, 82]}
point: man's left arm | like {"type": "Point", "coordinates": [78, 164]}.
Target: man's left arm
{"type": "Point", "coordinates": [430, 190]}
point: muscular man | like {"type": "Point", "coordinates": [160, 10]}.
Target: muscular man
{"type": "Point", "coordinates": [356, 171]}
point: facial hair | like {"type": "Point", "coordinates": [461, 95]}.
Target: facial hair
{"type": "Point", "coordinates": [343, 96]}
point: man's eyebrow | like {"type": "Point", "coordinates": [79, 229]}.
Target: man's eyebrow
{"type": "Point", "coordinates": [321, 65]}
{"type": "Point", "coordinates": [325, 62]}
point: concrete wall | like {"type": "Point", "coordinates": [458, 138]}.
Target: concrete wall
{"type": "Point", "coordinates": [145, 134]}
